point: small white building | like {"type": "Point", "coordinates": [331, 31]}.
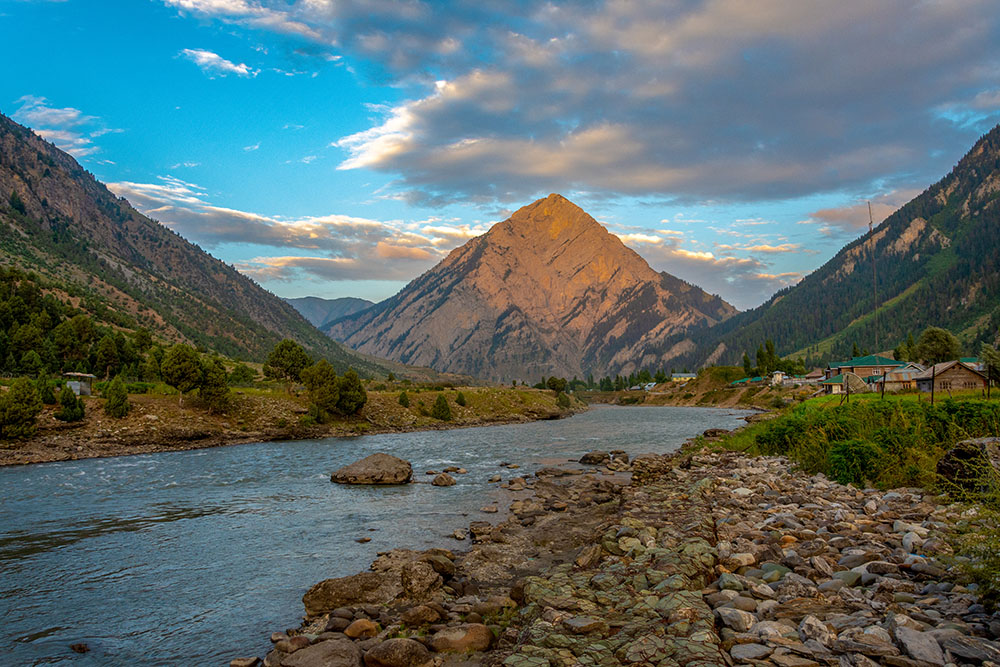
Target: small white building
{"type": "Point", "coordinates": [80, 383]}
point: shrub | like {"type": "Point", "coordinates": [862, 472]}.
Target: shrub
{"type": "Point", "coordinates": [181, 368]}
{"type": "Point", "coordinates": [116, 399]}
{"type": "Point", "coordinates": [562, 400]}
{"type": "Point", "coordinates": [214, 388]}
{"type": "Point", "coordinates": [19, 406]}
{"type": "Point", "coordinates": [855, 461]}
{"type": "Point", "coordinates": [460, 399]}
{"type": "Point", "coordinates": [404, 400]}
{"type": "Point", "coordinates": [71, 406]}
{"type": "Point", "coordinates": [44, 388]}
{"type": "Point", "coordinates": [242, 375]}
{"type": "Point", "coordinates": [441, 410]}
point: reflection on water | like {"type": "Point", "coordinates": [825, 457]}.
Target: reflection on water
{"type": "Point", "coordinates": [194, 557]}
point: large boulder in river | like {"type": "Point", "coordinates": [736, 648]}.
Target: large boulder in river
{"type": "Point", "coordinates": [375, 469]}
{"type": "Point", "coordinates": [361, 588]}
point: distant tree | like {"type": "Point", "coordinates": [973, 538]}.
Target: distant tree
{"type": "Point", "coordinates": [287, 361]}
{"type": "Point", "coordinates": [937, 345]}
{"type": "Point", "coordinates": [16, 203]}
{"type": "Point", "coordinates": [606, 384]}
{"type": "Point", "coordinates": [645, 376]}
{"type": "Point", "coordinates": [141, 339]}
{"type": "Point", "coordinates": [404, 400]}
{"type": "Point", "coordinates": [392, 377]}
{"type": "Point", "coordinates": [107, 357]}
{"type": "Point", "coordinates": [181, 369]}
{"type": "Point", "coordinates": [562, 400]}
{"type": "Point", "coordinates": [661, 376]}
{"type": "Point", "coordinates": [556, 384]}
{"type": "Point", "coordinates": [747, 366]}
{"type": "Point", "coordinates": [460, 399]}
{"type": "Point", "coordinates": [242, 375]}
{"type": "Point", "coordinates": [32, 364]}
{"type": "Point", "coordinates": [150, 370]}
{"type": "Point", "coordinates": [991, 359]}
{"type": "Point", "coordinates": [19, 406]}
{"type": "Point", "coordinates": [214, 386]}
{"type": "Point", "coordinates": [116, 399]}
{"type": "Point", "coordinates": [620, 383]}
{"type": "Point", "coordinates": [352, 393]}
{"type": "Point", "coordinates": [70, 406]}
{"type": "Point", "coordinates": [441, 410]}
{"type": "Point", "coordinates": [855, 351]}
{"type": "Point", "coordinates": [323, 385]}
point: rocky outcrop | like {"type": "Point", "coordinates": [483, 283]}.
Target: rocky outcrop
{"type": "Point", "coordinates": [361, 588]}
{"type": "Point", "coordinates": [547, 292]}
{"type": "Point", "coordinates": [375, 469]}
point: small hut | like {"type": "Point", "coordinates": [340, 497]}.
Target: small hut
{"type": "Point", "coordinates": [82, 384]}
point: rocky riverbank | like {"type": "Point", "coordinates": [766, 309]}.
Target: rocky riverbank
{"type": "Point", "coordinates": [699, 559]}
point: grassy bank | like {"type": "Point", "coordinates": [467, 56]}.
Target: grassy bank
{"type": "Point", "coordinates": [159, 421]}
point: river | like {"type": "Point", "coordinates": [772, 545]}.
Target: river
{"type": "Point", "coordinates": [195, 557]}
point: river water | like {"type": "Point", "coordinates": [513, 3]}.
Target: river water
{"type": "Point", "coordinates": [195, 557]}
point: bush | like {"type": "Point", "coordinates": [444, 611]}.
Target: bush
{"type": "Point", "coordinates": [19, 406]}
{"type": "Point", "coordinates": [460, 399]}
{"type": "Point", "coordinates": [855, 461]}
{"type": "Point", "coordinates": [214, 387]}
{"type": "Point", "coordinates": [441, 410]}
{"type": "Point", "coordinates": [116, 399]}
{"type": "Point", "coordinates": [562, 400]}
{"type": "Point", "coordinates": [242, 375]}
{"type": "Point", "coordinates": [71, 406]}
{"type": "Point", "coordinates": [404, 400]}
{"type": "Point", "coordinates": [44, 389]}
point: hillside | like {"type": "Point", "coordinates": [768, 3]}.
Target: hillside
{"type": "Point", "coordinates": [323, 311]}
{"type": "Point", "coordinates": [548, 291]}
{"type": "Point", "coordinates": [57, 220]}
{"type": "Point", "coordinates": [938, 264]}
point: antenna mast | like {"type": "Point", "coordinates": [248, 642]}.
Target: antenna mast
{"type": "Point", "coordinates": [871, 224]}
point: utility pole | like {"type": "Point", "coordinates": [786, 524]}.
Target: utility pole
{"type": "Point", "coordinates": [871, 225]}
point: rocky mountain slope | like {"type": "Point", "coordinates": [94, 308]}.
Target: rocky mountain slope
{"type": "Point", "coordinates": [56, 219]}
{"type": "Point", "coordinates": [323, 311]}
{"type": "Point", "coordinates": [548, 291]}
{"type": "Point", "coordinates": [938, 264]}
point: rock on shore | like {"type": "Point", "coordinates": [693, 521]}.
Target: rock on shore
{"type": "Point", "coordinates": [375, 469]}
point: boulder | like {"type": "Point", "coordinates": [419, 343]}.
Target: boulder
{"type": "Point", "coordinates": [444, 479]}
{"type": "Point", "coordinates": [595, 457]}
{"type": "Point", "coordinates": [970, 465]}
{"type": "Point", "coordinates": [462, 638]}
{"type": "Point", "coordinates": [333, 653]}
{"type": "Point", "coordinates": [397, 653]}
{"type": "Point", "coordinates": [715, 432]}
{"type": "Point", "coordinates": [420, 615]}
{"type": "Point", "coordinates": [361, 588]}
{"type": "Point", "coordinates": [418, 579]}
{"type": "Point", "coordinates": [361, 629]}
{"type": "Point", "coordinates": [375, 469]}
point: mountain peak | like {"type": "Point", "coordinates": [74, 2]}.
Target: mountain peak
{"type": "Point", "coordinates": [547, 291]}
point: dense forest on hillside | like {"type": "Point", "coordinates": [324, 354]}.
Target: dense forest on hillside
{"type": "Point", "coordinates": [938, 264]}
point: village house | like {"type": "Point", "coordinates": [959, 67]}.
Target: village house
{"type": "Point", "coordinates": [80, 383]}
{"type": "Point", "coordinates": [950, 376]}
{"type": "Point", "coordinates": [683, 377]}
{"type": "Point", "coordinates": [872, 364]}
{"type": "Point", "coordinates": [902, 378]}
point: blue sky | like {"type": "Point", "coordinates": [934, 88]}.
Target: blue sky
{"type": "Point", "coordinates": [340, 148]}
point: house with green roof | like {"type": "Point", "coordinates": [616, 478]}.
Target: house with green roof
{"type": "Point", "coordinates": [866, 366]}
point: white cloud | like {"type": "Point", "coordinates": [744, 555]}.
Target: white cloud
{"type": "Point", "coordinates": [213, 64]}
{"type": "Point", "coordinates": [69, 129]}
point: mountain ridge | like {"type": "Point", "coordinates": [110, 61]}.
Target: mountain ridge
{"type": "Point", "coordinates": [66, 225]}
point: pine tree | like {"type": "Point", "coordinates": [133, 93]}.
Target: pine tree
{"type": "Point", "coordinates": [352, 394]}
{"type": "Point", "coordinates": [441, 410]}
{"type": "Point", "coordinates": [116, 399]}
{"type": "Point", "coordinates": [404, 400]}
{"type": "Point", "coordinates": [19, 406]}
{"type": "Point", "coordinates": [460, 399]}
{"type": "Point", "coordinates": [71, 407]}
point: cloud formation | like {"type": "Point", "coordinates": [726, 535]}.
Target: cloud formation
{"type": "Point", "coordinates": [68, 128]}
{"type": "Point", "coordinates": [214, 65]}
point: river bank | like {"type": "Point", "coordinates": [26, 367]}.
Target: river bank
{"type": "Point", "coordinates": [163, 423]}
{"type": "Point", "coordinates": [699, 558]}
